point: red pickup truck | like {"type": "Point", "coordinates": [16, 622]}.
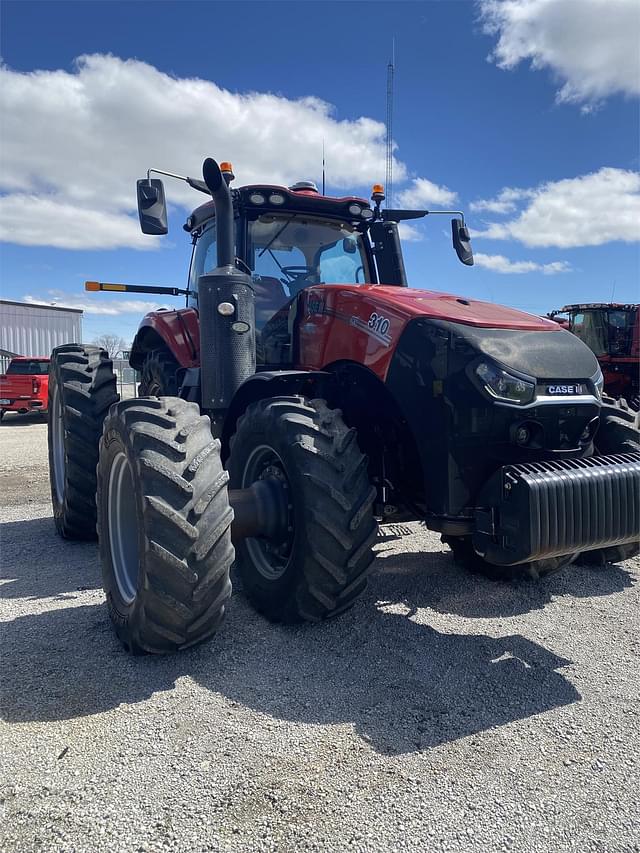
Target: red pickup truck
{"type": "Point", "coordinates": [25, 385]}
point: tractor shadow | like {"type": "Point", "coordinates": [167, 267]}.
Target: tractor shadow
{"type": "Point", "coordinates": [402, 685]}
{"type": "Point", "coordinates": [28, 419]}
{"type": "Point", "coordinates": [428, 579]}
{"type": "Point", "coordinates": [35, 563]}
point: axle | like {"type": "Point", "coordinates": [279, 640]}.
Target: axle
{"type": "Point", "coordinates": [261, 510]}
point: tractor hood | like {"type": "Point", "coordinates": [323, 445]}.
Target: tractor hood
{"type": "Point", "coordinates": [379, 317]}
{"type": "Point", "coordinates": [414, 303]}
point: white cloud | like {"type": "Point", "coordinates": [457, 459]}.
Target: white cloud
{"type": "Point", "coordinates": [500, 264]}
{"type": "Point", "coordinates": [99, 304]}
{"type": "Point", "coordinates": [74, 144]}
{"type": "Point", "coordinates": [589, 210]}
{"type": "Point", "coordinates": [591, 46]}
{"type": "Point", "coordinates": [33, 220]}
{"type": "Point", "coordinates": [505, 201]}
{"type": "Point", "coordinates": [409, 233]}
{"type": "Point", "coordinates": [423, 192]}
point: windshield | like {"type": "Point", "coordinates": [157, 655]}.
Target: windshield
{"type": "Point", "coordinates": [298, 250]}
{"type": "Point", "coordinates": [605, 332]}
{"type": "Point", "coordinates": [28, 368]}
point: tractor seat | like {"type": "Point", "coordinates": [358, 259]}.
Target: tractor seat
{"type": "Point", "coordinates": [270, 297]}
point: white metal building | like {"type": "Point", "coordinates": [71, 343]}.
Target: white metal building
{"type": "Point", "coordinates": [27, 329]}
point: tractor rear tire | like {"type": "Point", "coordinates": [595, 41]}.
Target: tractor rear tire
{"type": "Point", "coordinates": [82, 387]}
{"type": "Point", "coordinates": [322, 566]}
{"type": "Point", "coordinates": [619, 432]}
{"type": "Point", "coordinates": [159, 377]}
{"type": "Point", "coordinates": [165, 525]}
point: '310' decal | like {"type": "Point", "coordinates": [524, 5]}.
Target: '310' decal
{"type": "Point", "coordinates": [378, 323]}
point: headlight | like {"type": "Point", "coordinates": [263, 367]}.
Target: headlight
{"type": "Point", "coordinates": [503, 386]}
{"type": "Point", "coordinates": [598, 381]}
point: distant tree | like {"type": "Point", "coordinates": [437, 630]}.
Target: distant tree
{"type": "Point", "coordinates": [113, 344]}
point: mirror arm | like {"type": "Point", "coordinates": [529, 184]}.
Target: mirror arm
{"type": "Point", "coordinates": [193, 182]}
{"type": "Point", "coordinates": [162, 172]}
{"type": "Point", "coordinates": [448, 213]}
{"type": "Point", "coordinates": [388, 215]}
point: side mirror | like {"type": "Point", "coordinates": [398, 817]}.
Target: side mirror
{"type": "Point", "coordinates": [349, 246]}
{"type": "Point", "coordinates": [152, 207]}
{"type": "Point", "coordinates": [462, 242]}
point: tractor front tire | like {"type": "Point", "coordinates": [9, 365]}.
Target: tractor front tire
{"type": "Point", "coordinates": [159, 375]}
{"type": "Point", "coordinates": [619, 429]}
{"type": "Point", "coordinates": [165, 525]}
{"type": "Point", "coordinates": [465, 556]}
{"type": "Point", "coordinates": [321, 567]}
{"type": "Point", "coordinates": [82, 387]}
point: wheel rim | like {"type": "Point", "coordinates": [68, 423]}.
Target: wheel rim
{"type": "Point", "coordinates": [57, 444]}
{"type": "Point", "coordinates": [271, 559]}
{"type": "Point", "coordinates": [123, 527]}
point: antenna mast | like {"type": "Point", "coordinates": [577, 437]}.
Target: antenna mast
{"type": "Point", "coordinates": [389, 172]}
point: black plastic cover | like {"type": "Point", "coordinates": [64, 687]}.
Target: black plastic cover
{"type": "Point", "coordinates": [227, 343]}
{"type": "Point", "coordinates": [463, 436]}
{"type": "Point", "coordinates": [388, 253]}
{"type": "Point", "coordinates": [556, 354]}
{"type": "Point", "coordinates": [547, 509]}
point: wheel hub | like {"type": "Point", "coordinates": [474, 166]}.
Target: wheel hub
{"type": "Point", "coordinates": [263, 512]}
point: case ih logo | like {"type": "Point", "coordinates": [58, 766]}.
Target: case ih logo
{"type": "Point", "coordinates": [564, 390]}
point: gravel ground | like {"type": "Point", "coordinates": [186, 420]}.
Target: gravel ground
{"type": "Point", "coordinates": [444, 712]}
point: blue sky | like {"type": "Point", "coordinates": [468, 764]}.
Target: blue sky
{"type": "Point", "coordinates": [483, 101]}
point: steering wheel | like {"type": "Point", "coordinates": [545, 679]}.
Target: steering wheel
{"type": "Point", "coordinates": [297, 274]}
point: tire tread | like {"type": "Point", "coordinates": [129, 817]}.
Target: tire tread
{"type": "Point", "coordinates": [182, 597]}
{"type": "Point", "coordinates": [339, 526]}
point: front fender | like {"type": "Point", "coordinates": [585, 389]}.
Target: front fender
{"type": "Point", "coordinates": [272, 383]}
{"type": "Point", "coordinates": [178, 331]}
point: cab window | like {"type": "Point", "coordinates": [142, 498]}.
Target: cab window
{"type": "Point", "coordinates": [299, 251]}
{"type": "Point", "coordinates": [204, 260]}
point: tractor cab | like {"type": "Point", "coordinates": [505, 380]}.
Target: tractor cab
{"type": "Point", "coordinates": [290, 238]}
{"type": "Point", "coordinates": [287, 239]}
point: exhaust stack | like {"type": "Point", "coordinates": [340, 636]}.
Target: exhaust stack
{"type": "Point", "coordinates": [226, 304]}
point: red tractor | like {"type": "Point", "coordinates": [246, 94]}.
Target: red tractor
{"type": "Point", "coordinates": [304, 395]}
{"type": "Point", "coordinates": [612, 332]}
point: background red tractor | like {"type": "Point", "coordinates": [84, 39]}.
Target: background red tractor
{"type": "Point", "coordinates": [612, 332]}
{"type": "Point", "coordinates": [304, 395]}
